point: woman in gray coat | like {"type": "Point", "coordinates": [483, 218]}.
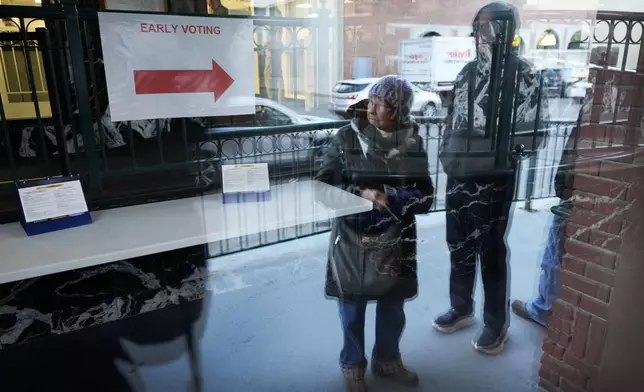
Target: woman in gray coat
{"type": "Point", "coordinates": [372, 256]}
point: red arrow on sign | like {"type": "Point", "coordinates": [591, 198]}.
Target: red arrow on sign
{"type": "Point", "coordinates": [214, 80]}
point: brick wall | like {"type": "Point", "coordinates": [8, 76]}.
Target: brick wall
{"type": "Point", "coordinates": [603, 183]}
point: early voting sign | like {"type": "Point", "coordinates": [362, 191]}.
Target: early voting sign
{"type": "Point", "coordinates": [168, 66]}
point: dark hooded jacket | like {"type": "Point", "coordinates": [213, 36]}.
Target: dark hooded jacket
{"type": "Point", "coordinates": [569, 159]}
{"type": "Point", "coordinates": [469, 111]}
{"type": "Point", "coordinates": [372, 255]}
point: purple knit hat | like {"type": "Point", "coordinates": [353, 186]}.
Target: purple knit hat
{"type": "Point", "coordinates": [398, 93]}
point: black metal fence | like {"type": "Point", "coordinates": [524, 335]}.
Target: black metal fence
{"type": "Point", "coordinates": [55, 117]}
{"type": "Point", "coordinates": [294, 152]}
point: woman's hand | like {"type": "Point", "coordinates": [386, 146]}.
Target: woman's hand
{"type": "Point", "coordinates": [378, 198]}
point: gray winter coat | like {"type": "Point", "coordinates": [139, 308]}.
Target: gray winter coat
{"type": "Point", "coordinates": [372, 255]}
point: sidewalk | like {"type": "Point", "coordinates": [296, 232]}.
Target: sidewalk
{"type": "Point", "coordinates": [272, 329]}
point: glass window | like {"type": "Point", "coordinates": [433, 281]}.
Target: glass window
{"type": "Point", "coordinates": [431, 34]}
{"type": "Point", "coordinates": [18, 74]}
{"type": "Point", "coordinates": [31, 3]}
{"type": "Point", "coordinates": [346, 88]}
{"type": "Point", "coordinates": [548, 40]}
{"type": "Point", "coordinates": [267, 116]}
{"type": "Point", "coordinates": [578, 41]}
{"type": "Point", "coordinates": [136, 5]}
{"type": "Point", "coordinates": [310, 195]}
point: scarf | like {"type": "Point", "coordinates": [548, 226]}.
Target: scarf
{"type": "Point", "coordinates": [389, 144]}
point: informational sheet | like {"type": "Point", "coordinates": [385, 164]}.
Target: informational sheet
{"type": "Point", "coordinates": [52, 201]}
{"type": "Point", "coordinates": [169, 66]}
{"type": "Point", "coordinates": [247, 178]}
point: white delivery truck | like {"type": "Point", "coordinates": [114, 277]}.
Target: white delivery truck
{"type": "Point", "coordinates": [433, 63]}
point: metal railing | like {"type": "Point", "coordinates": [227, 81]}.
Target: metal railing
{"type": "Point", "coordinates": [125, 163]}
{"type": "Point", "coordinates": [69, 129]}
{"type": "Point", "coordinates": [294, 152]}
{"type": "Point", "coordinates": [13, 67]}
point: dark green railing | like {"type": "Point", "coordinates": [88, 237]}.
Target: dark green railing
{"type": "Point", "coordinates": [120, 163]}
{"type": "Point", "coordinates": [291, 162]}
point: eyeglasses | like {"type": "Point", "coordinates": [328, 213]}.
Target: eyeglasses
{"type": "Point", "coordinates": [487, 31]}
{"type": "Point", "coordinates": [377, 103]}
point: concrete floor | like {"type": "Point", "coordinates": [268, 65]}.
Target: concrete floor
{"type": "Point", "coordinates": [272, 329]}
{"type": "Point", "coordinates": [265, 326]}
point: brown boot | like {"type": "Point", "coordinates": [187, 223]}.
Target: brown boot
{"type": "Point", "coordinates": [395, 371]}
{"type": "Point", "coordinates": [354, 377]}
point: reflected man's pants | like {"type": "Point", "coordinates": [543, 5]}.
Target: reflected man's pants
{"type": "Point", "coordinates": [540, 307]}
{"type": "Point", "coordinates": [477, 218]}
{"type": "Point", "coordinates": [390, 322]}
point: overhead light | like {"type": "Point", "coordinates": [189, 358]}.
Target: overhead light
{"type": "Point", "coordinates": [313, 15]}
{"type": "Point", "coordinates": [38, 1]}
{"type": "Point", "coordinates": [348, 1]}
{"type": "Point", "coordinates": [304, 5]}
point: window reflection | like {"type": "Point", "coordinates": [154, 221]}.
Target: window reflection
{"type": "Point", "coordinates": [579, 40]}
{"type": "Point", "coordinates": [548, 40]}
{"type": "Point", "coordinates": [368, 116]}
{"type": "Point", "coordinates": [135, 5]}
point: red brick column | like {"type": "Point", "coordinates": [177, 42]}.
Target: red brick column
{"type": "Point", "coordinates": [605, 185]}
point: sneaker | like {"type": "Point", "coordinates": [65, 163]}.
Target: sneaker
{"type": "Point", "coordinates": [452, 321]}
{"type": "Point", "coordinates": [354, 378]}
{"type": "Point", "coordinates": [519, 308]}
{"type": "Point", "coordinates": [491, 341]}
{"type": "Point", "coordinates": [395, 371]}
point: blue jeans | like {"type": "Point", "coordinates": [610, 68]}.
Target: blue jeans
{"type": "Point", "coordinates": [390, 322]}
{"type": "Point", "coordinates": [539, 307]}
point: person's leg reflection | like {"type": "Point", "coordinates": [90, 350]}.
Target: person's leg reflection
{"type": "Point", "coordinates": [352, 315]}
{"type": "Point", "coordinates": [540, 307]}
{"type": "Point", "coordinates": [352, 359]}
{"type": "Point", "coordinates": [463, 256]}
{"type": "Point", "coordinates": [390, 323]}
{"type": "Point", "coordinates": [460, 236]}
{"type": "Point", "coordinates": [386, 361]}
{"type": "Point", "coordinates": [494, 266]}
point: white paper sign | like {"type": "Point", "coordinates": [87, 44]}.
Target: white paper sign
{"type": "Point", "coordinates": [169, 66]}
{"type": "Point", "coordinates": [245, 178]}
{"type": "Point", "coordinates": [435, 60]}
{"type": "Point", "coordinates": [52, 201]}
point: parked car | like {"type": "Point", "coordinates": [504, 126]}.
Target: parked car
{"type": "Point", "coordinates": [287, 155]}
{"type": "Point", "coordinates": [347, 93]}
